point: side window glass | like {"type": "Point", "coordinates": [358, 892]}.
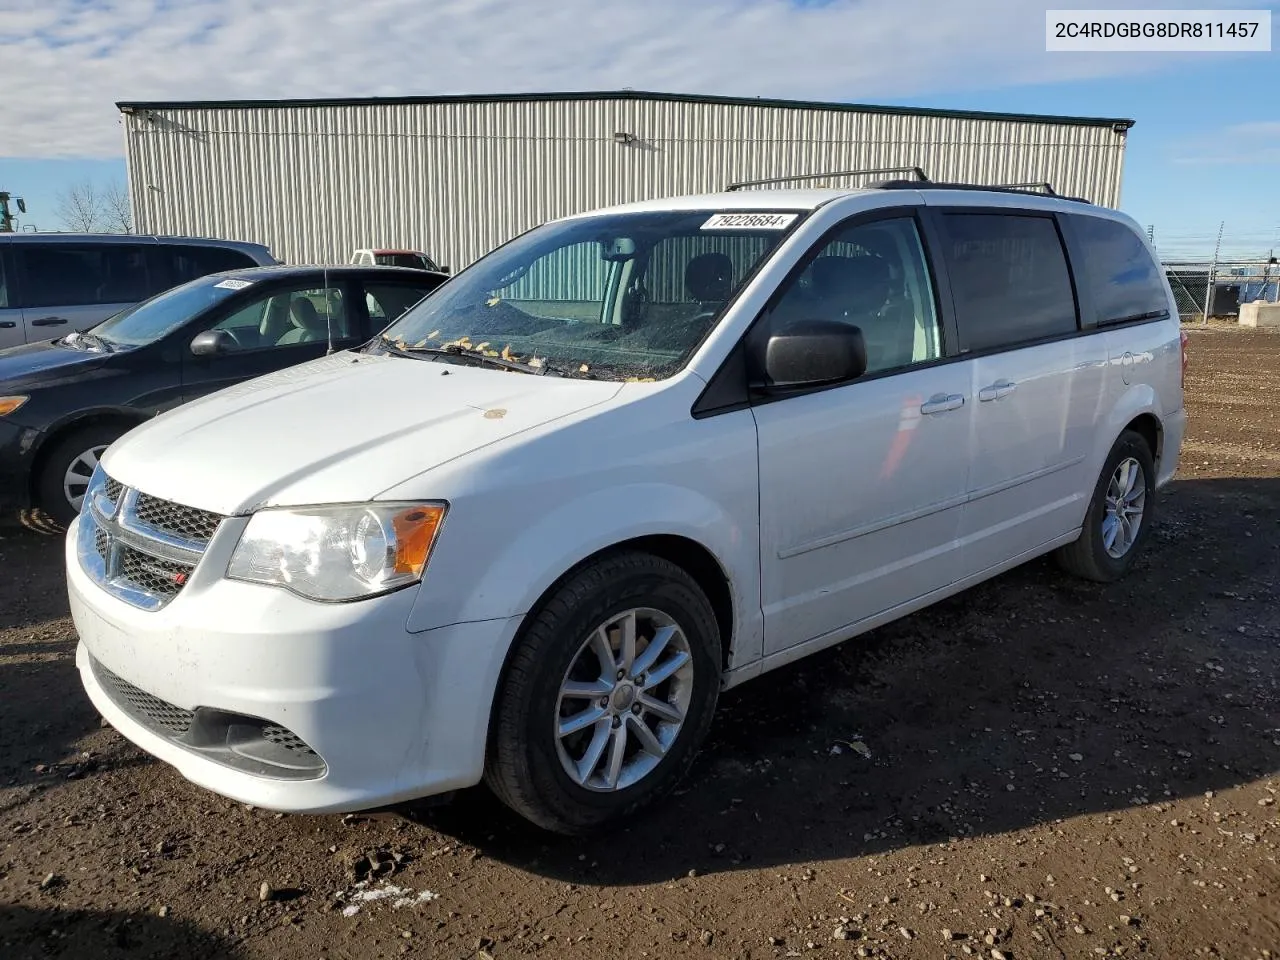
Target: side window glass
{"type": "Point", "coordinates": [4, 281]}
{"type": "Point", "coordinates": [288, 318]}
{"type": "Point", "coordinates": [1124, 280]}
{"type": "Point", "coordinates": [190, 261]}
{"type": "Point", "coordinates": [1009, 279]}
{"type": "Point", "coordinates": [872, 276]}
{"type": "Point", "coordinates": [387, 301]}
{"type": "Point", "coordinates": [63, 275]}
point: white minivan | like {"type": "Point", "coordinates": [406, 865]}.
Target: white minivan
{"type": "Point", "coordinates": [628, 460]}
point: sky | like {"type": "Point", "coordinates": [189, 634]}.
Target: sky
{"type": "Point", "coordinates": [1205, 148]}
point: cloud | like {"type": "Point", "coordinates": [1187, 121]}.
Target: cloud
{"type": "Point", "coordinates": [65, 62]}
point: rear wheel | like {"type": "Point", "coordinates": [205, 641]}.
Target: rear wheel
{"type": "Point", "coordinates": [1119, 515]}
{"type": "Point", "coordinates": [64, 477]}
{"type": "Point", "coordinates": [607, 697]}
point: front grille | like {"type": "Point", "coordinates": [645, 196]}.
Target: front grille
{"type": "Point", "coordinates": [159, 715]}
{"type": "Point", "coordinates": [141, 548]}
{"type": "Point", "coordinates": [173, 518]}
{"type": "Point", "coordinates": [161, 578]}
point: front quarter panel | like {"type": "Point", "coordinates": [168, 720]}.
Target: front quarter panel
{"type": "Point", "coordinates": [523, 516]}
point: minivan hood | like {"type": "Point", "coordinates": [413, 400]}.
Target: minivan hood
{"type": "Point", "coordinates": [339, 429]}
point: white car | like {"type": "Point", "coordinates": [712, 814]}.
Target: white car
{"type": "Point", "coordinates": [622, 463]}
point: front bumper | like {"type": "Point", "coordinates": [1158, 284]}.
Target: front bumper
{"type": "Point", "coordinates": [391, 715]}
{"type": "Point", "coordinates": [17, 451]}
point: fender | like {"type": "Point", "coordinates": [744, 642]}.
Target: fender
{"type": "Point", "coordinates": [1137, 400]}
{"type": "Point", "coordinates": [539, 554]}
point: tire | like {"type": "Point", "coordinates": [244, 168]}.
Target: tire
{"type": "Point", "coordinates": [1093, 555]}
{"type": "Point", "coordinates": [529, 761]}
{"type": "Point", "coordinates": [76, 452]}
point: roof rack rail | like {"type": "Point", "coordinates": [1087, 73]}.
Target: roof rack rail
{"type": "Point", "coordinates": [921, 176]}
{"type": "Point", "coordinates": [991, 188]}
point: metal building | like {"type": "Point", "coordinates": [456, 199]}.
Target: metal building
{"type": "Point", "coordinates": [456, 176]}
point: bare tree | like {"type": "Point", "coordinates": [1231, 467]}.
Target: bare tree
{"type": "Point", "coordinates": [80, 207]}
{"type": "Point", "coordinates": [118, 213]}
{"type": "Point", "coordinates": [95, 209]}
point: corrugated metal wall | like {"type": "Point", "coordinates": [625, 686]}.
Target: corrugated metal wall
{"type": "Point", "coordinates": [458, 178]}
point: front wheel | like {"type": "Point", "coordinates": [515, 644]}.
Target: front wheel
{"type": "Point", "coordinates": [64, 478]}
{"type": "Point", "coordinates": [607, 696]}
{"type": "Point", "coordinates": [1119, 515]}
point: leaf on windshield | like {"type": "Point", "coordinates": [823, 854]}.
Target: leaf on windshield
{"type": "Point", "coordinates": [640, 380]}
{"type": "Point", "coordinates": [481, 346]}
{"type": "Point", "coordinates": [535, 361]}
{"type": "Point", "coordinates": [507, 354]}
{"type": "Point", "coordinates": [583, 368]}
{"type": "Point", "coordinates": [493, 301]}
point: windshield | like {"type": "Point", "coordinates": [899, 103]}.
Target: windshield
{"type": "Point", "coordinates": [621, 296]}
{"type": "Point", "coordinates": [150, 320]}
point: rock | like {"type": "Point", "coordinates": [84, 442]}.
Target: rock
{"type": "Point", "coordinates": [1076, 757]}
{"type": "Point", "coordinates": [265, 892]}
{"type": "Point", "coordinates": [1266, 801]}
{"type": "Point", "coordinates": [707, 938]}
{"type": "Point", "coordinates": [50, 881]}
{"type": "Point", "coordinates": [906, 934]}
{"type": "Point", "coordinates": [692, 873]}
{"type": "Point", "coordinates": [947, 935]}
{"type": "Point", "coordinates": [844, 932]}
{"type": "Point", "coordinates": [775, 941]}
{"type": "Point", "coordinates": [999, 955]}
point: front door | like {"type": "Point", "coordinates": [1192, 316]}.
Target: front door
{"type": "Point", "coordinates": [283, 327]}
{"type": "Point", "coordinates": [862, 486]}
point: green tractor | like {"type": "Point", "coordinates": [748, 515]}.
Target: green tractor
{"type": "Point", "coordinates": [6, 214]}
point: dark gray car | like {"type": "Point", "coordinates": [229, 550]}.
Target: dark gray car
{"type": "Point", "coordinates": [53, 283]}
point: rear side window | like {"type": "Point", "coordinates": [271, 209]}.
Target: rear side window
{"type": "Point", "coordinates": [188, 261]}
{"type": "Point", "coordinates": [65, 275]}
{"type": "Point", "coordinates": [1009, 279]}
{"type": "Point", "coordinates": [4, 281]}
{"type": "Point", "coordinates": [387, 301]}
{"type": "Point", "coordinates": [1123, 279]}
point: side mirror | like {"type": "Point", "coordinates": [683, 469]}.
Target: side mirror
{"type": "Point", "coordinates": [444, 268]}
{"type": "Point", "coordinates": [812, 353]}
{"type": "Point", "coordinates": [212, 343]}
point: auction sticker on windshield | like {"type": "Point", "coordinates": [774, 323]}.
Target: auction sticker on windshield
{"type": "Point", "coordinates": [233, 284]}
{"type": "Point", "coordinates": [750, 221]}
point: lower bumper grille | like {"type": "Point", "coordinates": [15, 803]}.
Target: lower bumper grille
{"type": "Point", "coordinates": [248, 744]}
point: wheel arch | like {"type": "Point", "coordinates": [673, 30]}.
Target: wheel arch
{"type": "Point", "coordinates": [63, 429]}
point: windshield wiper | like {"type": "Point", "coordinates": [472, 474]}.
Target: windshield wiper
{"type": "Point", "coordinates": [479, 357]}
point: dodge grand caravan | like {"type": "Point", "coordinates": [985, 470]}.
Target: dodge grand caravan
{"type": "Point", "coordinates": [628, 460]}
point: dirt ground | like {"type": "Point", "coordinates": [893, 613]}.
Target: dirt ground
{"type": "Point", "coordinates": [1036, 768]}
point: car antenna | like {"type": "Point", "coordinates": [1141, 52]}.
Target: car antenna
{"type": "Point", "coordinates": [328, 311]}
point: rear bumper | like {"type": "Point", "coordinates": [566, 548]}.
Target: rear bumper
{"type": "Point", "coordinates": [1173, 428]}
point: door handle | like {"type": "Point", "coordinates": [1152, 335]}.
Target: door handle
{"type": "Point", "coordinates": [8, 324]}
{"type": "Point", "coordinates": [48, 321]}
{"type": "Point", "coordinates": [997, 391]}
{"type": "Point", "coordinates": [941, 403]}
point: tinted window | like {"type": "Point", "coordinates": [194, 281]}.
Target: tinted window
{"type": "Point", "coordinates": [1123, 278]}
{"type": "Point", "coordinates": [4, 281]}
{"type": "Point", "coordinates": [188, 261]}
{"type": "Point", "coordinates": [62, 274]}
{"type": "Point", "coordinates": [1009, 279]}
{"type": "Point", "coordinates": [874, 277]}
{"type": "Point", "coordinates": [386, 301]}
{"type": "Point", "coordinates": [412, 260]}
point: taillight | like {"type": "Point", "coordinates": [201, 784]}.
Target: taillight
{"type": "Point", "coordinates": [1182, 338]}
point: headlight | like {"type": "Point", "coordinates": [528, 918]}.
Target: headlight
{"type": "Point", "coordinates": [338, 553]}
{"type": "Point", "coordinates": [9, 404]}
